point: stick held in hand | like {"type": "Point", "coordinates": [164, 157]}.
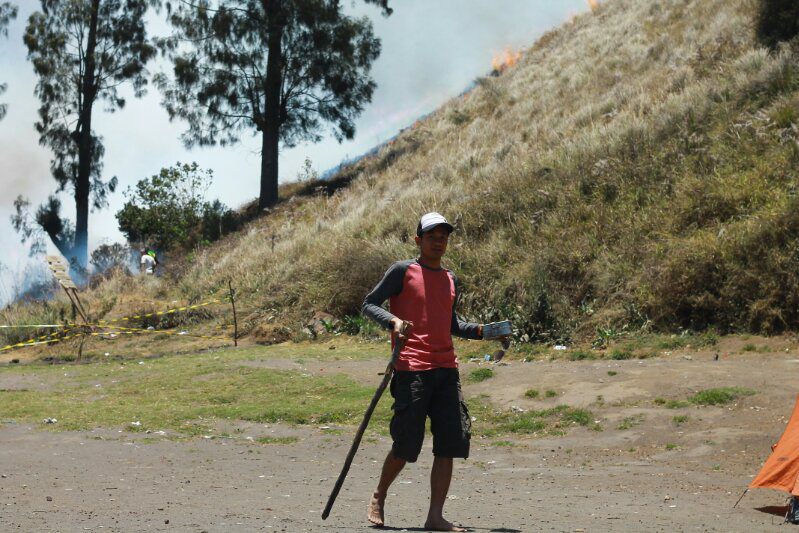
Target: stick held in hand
{"type": "Point", "coordinates": [362, 428]}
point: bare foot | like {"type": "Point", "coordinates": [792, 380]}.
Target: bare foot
{"type": "Point", "coordinates": [375, 511]}
{"type": "Point", "coordinates": [442, 525]}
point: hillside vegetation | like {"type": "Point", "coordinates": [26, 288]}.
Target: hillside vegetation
{"type": "Point", "coordinates": [634, 170]}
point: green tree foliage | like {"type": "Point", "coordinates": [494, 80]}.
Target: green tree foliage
{"type": "Point", "coordinates": [283, 69]}
{"type": "Point", "coordinates": [168, 210]}
{"type": "Point", "coordinates": [7, 13]}
{"type": "Point", "coordinates": [777, 20]}
{"type": "Point", "coordinates": [82, 51]}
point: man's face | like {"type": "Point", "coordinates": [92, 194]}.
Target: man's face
{"type": "Point", "coordinates": [432, 244]}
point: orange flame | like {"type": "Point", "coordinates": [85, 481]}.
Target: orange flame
{"type": "Point", "coordinates": [505, 59]}
{"type": "Point", "coordinates": [593, 4]}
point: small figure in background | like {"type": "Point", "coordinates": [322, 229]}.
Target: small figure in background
{"type": "Point", "coordinates": [148, 261]}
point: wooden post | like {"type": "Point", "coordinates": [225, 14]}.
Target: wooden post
{"type": "Point", "coordinates": [84, 315]}
{"type": "Point", "coordinates": [235, 319]}
{"type": "Point", "coordinates": [80, 346]}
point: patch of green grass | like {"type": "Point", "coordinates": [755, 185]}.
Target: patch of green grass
{"type": "Point", "coordinates": [672, 343]}
{"type": "Point", "coordinates": [679, 419]}
{"type": "Point", "coordinates": [576, 415]}
{"type": "Point", "coordinates": [480, 374]}
{"type": "Point", "coordinates": [612, 373]}
{"type": "Point", "coordinates": [621, 354]}
{"type": "Point", "coordinates": [672, 446]}
{"type": "Point", "coordinates": [580, 355]}
{"type": "Point", "coordinates": [525, 424]}
{"type": "Point", "coordinates": [671, 403]}
{"type": "Point", "coordinates": [548, 421]}
{"type": "Point", "coordinates": [720, 396]}
{"type": "Point", "coordinates": [186, 394]}
{"type": "Point", "coordinates": [550, 393]}
{"type": "Point", "coordinates": [708, 338]}
{"type": "Point", "coordinates": [783, 116]}
{"type": "Point", "coordinates": [749, 348]}
{"type": "Point", "coordinates": [531, 393]}
{"type": "Point", "coordinates": [503, 444]}
{"type": "Point", "coordinates": [676, 342]}
{"type": "Point", "coordinates": [276, 440]}
{"type": "Point", "coordinates": [716, 467]}
{"type": "Point", "coordinates": [189, 395]}
{"type": "Point", "coordinates": [631, 421]}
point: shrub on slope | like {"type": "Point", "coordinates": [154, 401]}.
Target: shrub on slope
{"type": "Point", "coordinates": [635, 169]}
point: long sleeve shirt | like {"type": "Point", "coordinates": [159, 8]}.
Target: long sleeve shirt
{"type": "Point", "coordinates": [426, 297]}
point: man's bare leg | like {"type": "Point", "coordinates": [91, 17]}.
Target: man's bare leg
{"type": "Point", "coordinates": [392, 466]}
{"type": "Point", "coordinates": [440, 476]}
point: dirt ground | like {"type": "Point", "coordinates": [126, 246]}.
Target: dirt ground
{"type": "Point", "coordinates": [642, 472]}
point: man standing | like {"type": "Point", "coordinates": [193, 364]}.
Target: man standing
{"type": "Point", "coordinates": [148, 262]}
{"type": "Point", "coordinates": [426, 383]}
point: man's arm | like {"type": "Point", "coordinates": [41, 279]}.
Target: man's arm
{"type": "Point", "coordinates": [390, 285]}
{"type": "Point", "coordinates": [461, 328]}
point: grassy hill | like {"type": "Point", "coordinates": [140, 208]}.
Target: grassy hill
{"type": "Point", "coordinates": [635, 170]}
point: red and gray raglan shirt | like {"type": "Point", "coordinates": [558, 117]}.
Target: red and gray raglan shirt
{"type": "Point", "coordinates": [427, 297]}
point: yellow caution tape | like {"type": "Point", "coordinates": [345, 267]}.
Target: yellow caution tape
{"type": "Point", "coordinates": [68, 328]}
{"type": "Point", "coordinates": [36, 326]}
{"type": "Point", "coordinates": [158, 313]}
{"type": "Point", "coordinates": [167, 332]}
{"type": "Point", "coordinates": [38, 340]}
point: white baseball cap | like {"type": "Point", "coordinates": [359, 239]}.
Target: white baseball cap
{"type": "Point", "coordinates": [430, 221]}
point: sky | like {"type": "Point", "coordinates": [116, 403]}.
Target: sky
{"type": "Point", "coordinates": [431, 51]}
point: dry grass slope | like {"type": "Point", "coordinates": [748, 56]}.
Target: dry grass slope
{"type": "Point", "coordinates": [635, 170]}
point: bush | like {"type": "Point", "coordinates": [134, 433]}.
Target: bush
{"type": "Point", "coordinates": [777, 20]}
{"type": "Point", "coordinates": [168, 210]}
{"type": "Point", "coordinates": [358, 325]}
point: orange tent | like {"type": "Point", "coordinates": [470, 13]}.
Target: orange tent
{"type": "Point", "coordinates": [781, 470]}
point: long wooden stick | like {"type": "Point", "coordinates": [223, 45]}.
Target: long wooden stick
{"type": "Point", "coordinates": [362, 428]}
{"type": "Point", "coordinates": [235, 320]}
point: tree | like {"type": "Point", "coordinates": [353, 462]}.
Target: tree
{"type": "Point", "coordinates": [7, 13]}
{"type": "Point", "coordinates": [82, 51]}
{"type": "Point", "coordinates": [169, 210]}
{"type": "Point", "coordinates": [279, 68]}
{"type": "Point", "coordinates": [777, 20]}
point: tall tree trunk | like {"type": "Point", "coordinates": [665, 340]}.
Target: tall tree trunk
{"type": "Point", "coordinates": [272, 88]}
{"type": "Point", "coordinates": [85, 148]}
